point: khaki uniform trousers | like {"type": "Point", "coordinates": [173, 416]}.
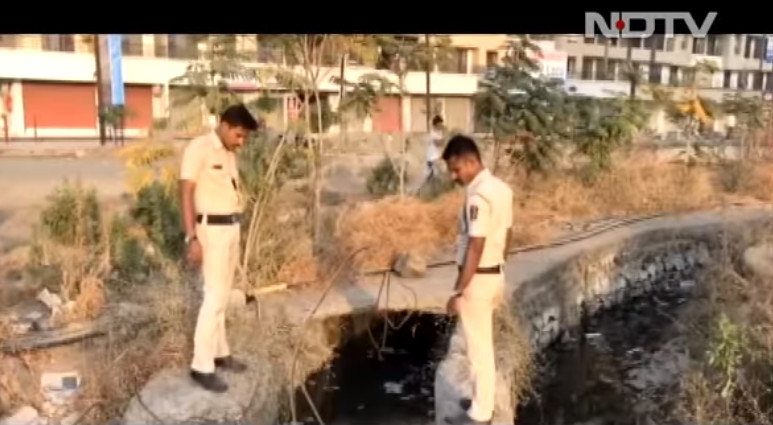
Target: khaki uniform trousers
{"type": "Point", "coordinates": [476, 310]}
{"type": "Point", "coordinates": [220, 248]}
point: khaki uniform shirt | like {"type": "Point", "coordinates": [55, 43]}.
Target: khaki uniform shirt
{"type": "Point", "coordinates": [487, 213]}
{"type": "Point", "coordinates": [214, 169]}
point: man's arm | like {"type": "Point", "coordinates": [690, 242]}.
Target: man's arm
{"type": "Point", "coordinates": [480, 220]}
{"type": "Point", "coordinates": [190, 167]}
{"type": "Point", "coordinates": [508, 237]}
{"type": "Point", "coordinates": [187, 188]}
{"type": "Point", "coordinates": [471, 263]}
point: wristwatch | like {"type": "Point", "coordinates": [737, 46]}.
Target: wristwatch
{"type": "Point", "coordinates": [189, 239]}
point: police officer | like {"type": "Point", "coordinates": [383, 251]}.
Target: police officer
{"type": "Point", "coordinates": [484, 234]}
{"type": "Point", "coordinates": [209, 191]}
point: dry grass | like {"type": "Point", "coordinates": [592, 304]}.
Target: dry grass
{"type": "Point", "coordinates": [514, 350]}
{"type": "Point", "coordinates": [123, 366]}
{"type": "Point", "coordinates": [731, 341]}
{"type": "Point", "coordinates": [391, 225]}
{"type": "Point", "coordinates": [637, 185]}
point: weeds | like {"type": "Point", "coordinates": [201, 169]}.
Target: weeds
{"type": "Point", "coordinates": [384, 179]}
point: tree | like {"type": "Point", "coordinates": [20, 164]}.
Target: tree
{"type": "Point", "coordinates": [209, 80]}
{"type": "Point", "coordinates": [519, 108]}
{"type": "Point", "coordinates": [685, 107]}
{"type": "Point", "coordinates": [752, 117]}
{"type": "Point", "coordinates": [602, 125]}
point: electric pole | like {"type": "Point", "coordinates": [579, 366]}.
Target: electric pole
{"type": "Point", "coordinates": [100, 91]}
{"type": "Point", "coordinates": [430, 65]}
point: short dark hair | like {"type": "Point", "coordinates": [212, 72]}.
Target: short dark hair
{"type": "Point", "coordinates": [461, 145]}
{"type": "Point", "coordinates": [437, 120]}
{"type": "Point", "coordinates": [239, 116]}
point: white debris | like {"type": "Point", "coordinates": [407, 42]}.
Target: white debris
{"type": "Point", "coordinates": [393, 387]}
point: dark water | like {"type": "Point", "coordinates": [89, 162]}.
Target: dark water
{"type": "Point", "coordinates": [587, 379]}
{"type": "Point", "coordinates": [361, 387]}
{"type": "Point", "coordinates": [581, 380]}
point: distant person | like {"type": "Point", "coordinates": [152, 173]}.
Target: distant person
{"type": "Point", "coordinates": [484, 234]}
{"type": "Point", "coordinates": [434, 146]}
{"type": "Point", "coordinates": [211, 207]}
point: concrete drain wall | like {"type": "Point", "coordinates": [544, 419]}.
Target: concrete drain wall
{"type": "Point", "coordinates": [548, 291]}
{"type": "Point", "coordinates": [556, 301]}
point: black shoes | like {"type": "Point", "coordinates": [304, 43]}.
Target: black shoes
{"type": "Point", "coordinates": [212, 382]}
{"type": "Point", "coordinates": [209, 381]}
{"type": "Point", "coordinates": [463, 418]}
{"type": "Point", "coordinates": [230, 364]}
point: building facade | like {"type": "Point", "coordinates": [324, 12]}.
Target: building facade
{"type": "Point", "coordinates": [50, 80]}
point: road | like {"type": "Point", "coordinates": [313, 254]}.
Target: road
{"type": "Point", "coordinates": [25, 183]}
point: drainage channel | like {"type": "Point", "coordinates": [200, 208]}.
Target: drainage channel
{"type": "Point", "coordinates": [623, 367]}
{"type": "Point", "coordinates": [373, 380]}
{"type": "Point", "coordinates": [619, 369]}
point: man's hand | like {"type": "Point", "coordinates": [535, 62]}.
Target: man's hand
{"type": "Point", "coordinates": [193, 253]}
{"type": "Point", "coordinates": [453, 305]}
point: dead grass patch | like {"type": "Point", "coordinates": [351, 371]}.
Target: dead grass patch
{"type": "Point", "coordinates": [392, 225]}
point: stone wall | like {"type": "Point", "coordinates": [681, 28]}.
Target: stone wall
{"type": "Point", "coordinates": [553, 304]}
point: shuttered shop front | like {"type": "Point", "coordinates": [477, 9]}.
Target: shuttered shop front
{"type": "Point", "coordinates": [59, 105]}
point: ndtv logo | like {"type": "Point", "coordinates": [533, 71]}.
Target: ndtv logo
{"type": "Point", "coordinates": [619, 24]}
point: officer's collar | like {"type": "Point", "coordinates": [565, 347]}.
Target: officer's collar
{"type": "Point", "coordinates": [216, 142]}
{"type": "Point", "coordinates": [482, 174]}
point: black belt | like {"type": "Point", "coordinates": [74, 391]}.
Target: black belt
{"type": "Point", "coordinates": [486, 270]}
{"type": "Point", "coordinates": [218, 219]}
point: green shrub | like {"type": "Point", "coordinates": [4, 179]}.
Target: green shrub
{"type": "Point", "coordinates": [384, 179]}
{"type": "Point", "coordinates": [158, 212]}
{"type": "Point", "coordinates": [128, 256]}
{"type": "Point", "coordinates": [72, 215]}
{"type": "Point", "coordinates": [435, 186]}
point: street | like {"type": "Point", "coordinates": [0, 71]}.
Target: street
{"type": "Point", "coordinates": [25, 183]}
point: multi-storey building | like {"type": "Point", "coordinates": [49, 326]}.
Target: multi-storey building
{"type": "Point", "coordinates": [51, 83]}
{"type": "Point", "coordinates": [739, 59]}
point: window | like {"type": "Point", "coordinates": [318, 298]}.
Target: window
{"type": "Point", "coordinates": [657, 40]}
{"type": "Point", "coordinates": [587, 68]}
{"type": "Point", "coordinates": [492, 58]}
{"type": "Point", "coordinates": [699, 46]}
{"type": "Point", "coordinates": [738, 43]}
{"type": "Point", "coordinates": [759, 47]}
{"type": "Point", "coordinates": [713, 45]}
{"type": "Point", "coordinates": [160, 46]}
{"type": "Point", "coordinates": [656, 73]}
{"type": "Point", "coordinates": [743, 80]}
{"type": "Point", "coordinates": [726, 79]}
{"type": "Point", "coordinates": [757, 80]}
{"type": "Point", "coordinates": [600, 71]}
{"type": "Point", "coordinates": [673, 75]}
{"type": "Point", "coordinates": [131, 44]}
{"type": "Point", "coordinates": [7, 40]}
{"type": "Point", "coordinates": [571, 66]}
{"type": "Point", "coordinates": [769, 82]}
{"type": "Point", "coordinates": [589, 40]}
{"type": "Point", "coordinates": [182, 46]}
{"type": "Point", "coordinates": [462, 61]}
{"type": "Point", "coordinates": [635, 43]}
{"type": "Point", "coordinates": [59, 42]}
{"type": "Point", "coordinates": [670, 42]}
{"type": "Point", "coordinates": [747, 53]}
